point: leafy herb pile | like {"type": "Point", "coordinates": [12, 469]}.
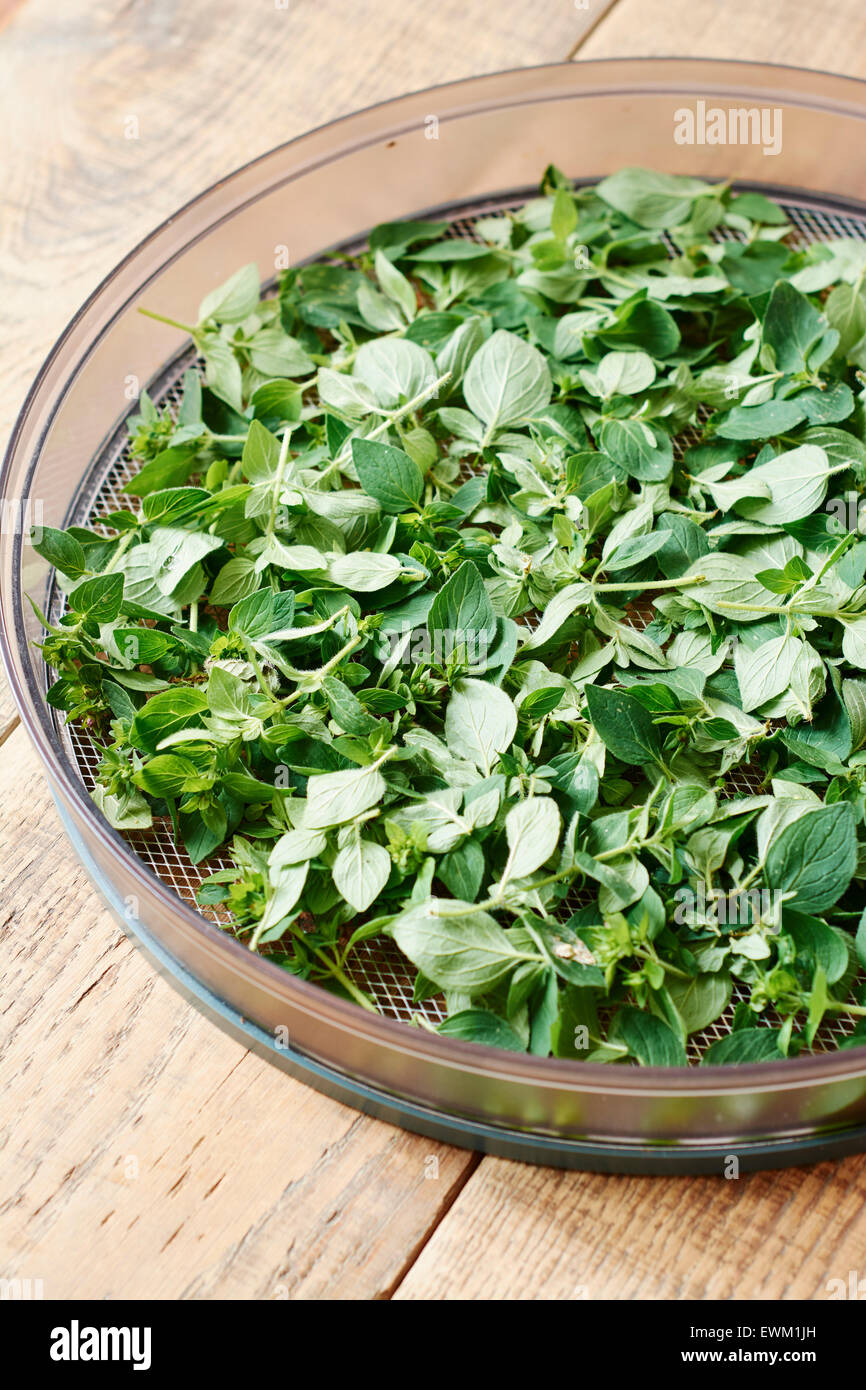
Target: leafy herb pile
{"type": "Point", "coordinates": [424, 614]}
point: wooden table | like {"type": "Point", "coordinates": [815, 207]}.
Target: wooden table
{"type": "Point", "coordinates": [142, 1152]}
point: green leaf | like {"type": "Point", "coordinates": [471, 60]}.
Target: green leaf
{"type": "Point", "coordinates": [792, 330]}
{"type": "Point", "coordinates": [360, 872]}
{"type": "Point", "coordinates": [261, 454]}
{"type": "Point", "coordinates": [727, 585]}
{"type": "Point", "coordinates": [644, 450]}
{"type": "Point", "coordinates": [567, 952]}
{"type": "Point", "coordinates": [230, 699]}
{"type": "Point", "coordinates": [172, 503]}
{"type": "Point", "coordinates": [166, 775]}
{"type": "Point", "coordinates": [818, 941]}
{"type": "Point", "coordinates": [766, 671]}
{"type": "Point", "coordinates": [701, 1000]}
{"type": "Point", "coordinates": [650, 198]}
{"type": "Point", "coordinates": [279, 401]}
{"type": "Point", "coordinates": [296, 847]}
{"type": "Point", "coordinates": [462, 870]}
{"type": "Point", "coordinates": [532, 829]}
{"type": "Point", "coordinates": [641, 323]}
{"type": "Point", "coordinates": [387, 474]}
{"type": "Point", "coordinates": [236, 580]}
{"type": "Point", "coordinates": [860, 940]}
{"type": "Point", "coordinates": [556, 613]}
{"type": "Point", "coordinates": [480, 723]}
{"type": "Point", "coordinates": [273, 353]}
{"type": "Point", "coordinates": [443, 252]}
{"type": "Point", "coordinates": [468, 952]}
{"type": "Point", "coordinates": [507, 382]}
{"type": "Point", "coordinates": [481, 1026]}
{"type": "Point", "coordinates": [854, 696]}
{"type": "Point", "coordinates": [126, 811]}
{"type": "Point", "coordinates": [394, 370]}
{"type": "Point", "coordinates": [814, 858]}
{"type": "Point", "coordinates": [234, 300]}
{"type": "Point", "coordinates": [98, 600]}
{"type": "Point", "coordinates": [648, 1039]}
{"type": "Point", "coordinates": [761, 421]}
{"type": "Point", "coordinates": [253, 616]}
{"type": "Point", "coordinates": [364, 571]}
{"type": "Point", "coordinates": [288, 884]}
{"type": "Point", "coordinates": [845, 309]}
{"type": "Point", "coordinates": [635, 550]}
{"type": "Point", "coordinates": [818, 999]}
{"type": "Point", "coordinates": [175, 552]}
{"type": "Point", "coordinates": [395, 285]}
{"type": "Point", "coordinates": [142, 644]}
{"type": "Point", "coordinates": [461, 615]}
{"type": "Point", "coordinates": [62, 551]}
{"type": "Point", "coordinates": [336, 797]}
{"type": "Point", "coordinates": [615, 883]}
{"type": "Point", "coordinates": [796, 482]}
{"type": "Point", "coordinates": [346, 709]}
{"type": "Point", "coordinates": [396, 237]}
{"type": "Point", "coordinates": [344, 393]}
{"type": "Point", "coordinates": [222, 370]}
{"type": "Point", "coordinates": [744, 1046]}
{"type": "Point", "coordinates": [621, 373]}
{"type": "Point", "coordinates": [563, 218]}
{"type": "Point", "coordinates": [623, 724]}
{"type": "Point", "coordinates": [165, 714]}
{"type": "Point", "coordinates": [171, 468]}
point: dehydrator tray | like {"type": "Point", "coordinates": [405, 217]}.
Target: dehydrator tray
{"type": "Point", "coordinates": [73, 466]}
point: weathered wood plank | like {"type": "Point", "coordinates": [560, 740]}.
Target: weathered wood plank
{"type": "Point", "coordinates": [772, 31]}
{"type": "Point", "coordinates": [518, 1232]}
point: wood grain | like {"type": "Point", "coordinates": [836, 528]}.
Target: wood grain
{"type": "Point", "coordinates": [532, 1233]}
{"type": "Point", "coordinates": [769, 31]}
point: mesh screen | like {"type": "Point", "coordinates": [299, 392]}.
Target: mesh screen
{"type": "Point", "coordinates": [378, 966]}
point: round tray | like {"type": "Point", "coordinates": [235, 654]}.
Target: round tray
{"type": "Point", "coordinates": [493, 136]}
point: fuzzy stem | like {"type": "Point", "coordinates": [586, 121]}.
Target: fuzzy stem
{"type": "Point", "coordinates": [172, 323]}
{"type": "Point", "coordinates": [654, 584]}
